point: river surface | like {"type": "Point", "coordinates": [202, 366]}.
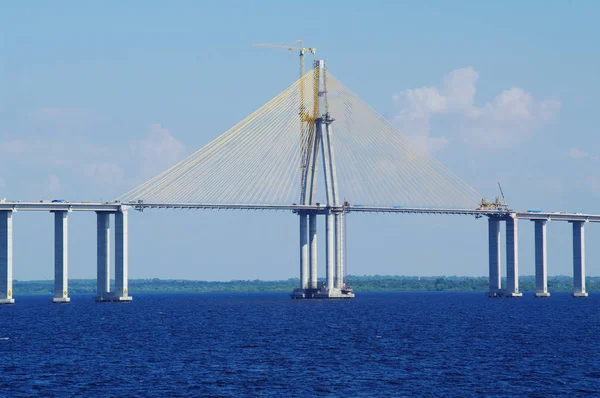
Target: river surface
{"type": "Point", "coordinates": [248, 344]}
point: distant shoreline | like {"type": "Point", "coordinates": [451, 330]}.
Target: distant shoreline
{"type": "Point", "coordinates": [372, 283]}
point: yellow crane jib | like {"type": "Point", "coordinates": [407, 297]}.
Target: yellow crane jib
{"type": "Point", "coordinates": [304, 116]}
{"type": "Point", "coordinates": [307, 121]}
{"type": "Point", "coordinates": [301, 50]}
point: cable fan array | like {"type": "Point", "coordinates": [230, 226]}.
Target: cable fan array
{"type": "Point", "coordinates": [259, 160]}
{"type": "Point", "coordinates": [379, 165]}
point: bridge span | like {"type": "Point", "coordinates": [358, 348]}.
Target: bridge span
{"type": "Point", "coordinates": [269, 161]}
{"type": "Point", "coordinates": [61, 210]}
{"type": "Point", "coordinates": [119, 211]}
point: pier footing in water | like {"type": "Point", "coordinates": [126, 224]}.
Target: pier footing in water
{"type": "Point", "coordinates": [580, 294]}
{"type": "Point", "coordinates": [322, 293]}
{"type": "Point", "coordinates": [504, 294]}
{"type": "Point", "coordinates": [61, 300]}
{"type": "Point", "coordinates": [112, 299]}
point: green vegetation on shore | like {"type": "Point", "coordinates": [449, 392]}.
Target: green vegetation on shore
{"type": "Point", "coordinates": [359, 283]}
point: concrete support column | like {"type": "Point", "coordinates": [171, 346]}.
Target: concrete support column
{"type": "Point", "coordinates": [512, 257]}
{"type": "Point", "coordinates": [303, 251]}
{"type": "Point", "coordinates": [103, 255]}
{"type": "Point", "coordinates": [578, 260]}
{"type": "Point", "coordinates": [6, 263]}
{"type": "Point", "coordinates": [121, 257]}
{"type": "Point", "coordinates": [330, 248]}
{"type": "Point", "coordinates": [494, 256]}
{"type": "Point", "coordinates": [312, 232]}
{"type": "Point", "coordinates": [61, 250]}
{"type": "Point", "coordinates": [541, 262]}
{"type": "Point", "coordinates": [339, 248]}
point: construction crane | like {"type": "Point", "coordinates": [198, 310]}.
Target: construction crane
{"type": "Point", "coordinates": [300, 49]}
{"type": "Point", "coordinates": [307, 126]}
{"type": "Point", "coordinates": [496, 205]}
{"type": "Point", "coordinates": [505, 205]}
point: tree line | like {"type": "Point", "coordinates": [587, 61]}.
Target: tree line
{"type": "Point", "coordinates": [364, 283]}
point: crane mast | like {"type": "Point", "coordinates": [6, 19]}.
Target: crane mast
{"type": "Point", "coordinates": [301, 51]}
{"type": "Point", "coordinates": [307, 121]}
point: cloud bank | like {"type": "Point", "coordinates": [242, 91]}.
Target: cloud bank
{"type": "Point", "coordinates": [577, 153]}
{"type": "Point", "coordinates": [509, 119]}
{"type": "Point", "coordinates": [54, 165]}
{"type": "Point", "coordinates": [158, 150]}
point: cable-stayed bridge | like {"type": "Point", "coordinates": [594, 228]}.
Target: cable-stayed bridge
{"type": "Point", "coordinates": [315, 149]}
{"type": "Point", "coordinates": [268, 157]}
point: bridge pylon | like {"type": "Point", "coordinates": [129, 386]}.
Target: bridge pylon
{"type": "Point", "coordinates": [317, 130]}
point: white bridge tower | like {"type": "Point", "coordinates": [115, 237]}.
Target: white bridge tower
{"type": "Point", "coordinates": [317, 132]}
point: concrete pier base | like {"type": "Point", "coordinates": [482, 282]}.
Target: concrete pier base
{"type": "Point", "coordinates": [541, 260]}
{"type": "Point", "coordinates": [103, 255]}
{"type": "Point", "coordinates": [578, 259]}
{"type": "Point", "coordinates": [330, 254]}
{"type": "Point", "coordinates": [334, 287]}
{"type": "Point", "coordinates": [495, 285]}
{"type": "Point", "coordinates": [61, 300]}
{"type": "Point", "coordinates": [61, 240]}
{"type": "Point", "coordinates": [121, 257]}
{"type": "Point", "coordinates": [303, 250]}
{"type": "Point", "coordinates": [322, 292]}
{"type": "Point", "coordinates": [312, 236]}
{"type": "Point", "coordinates": [339, 251]}
{"type": "Point", "coordinates": [121, 293]}
{"type": "Point", "coordinates": [504, 293]}
{"type": "Point", "coordinates": [511, 294]}
{"type": "Point", "coordinates": [6, 263]}
{"type": "Point", "coordinates": [112, 298]}
{"type": "Point", "coordinates": [512, 259]}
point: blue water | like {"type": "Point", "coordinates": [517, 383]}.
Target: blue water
{"type": "Point", "coordinates": [385, 344]}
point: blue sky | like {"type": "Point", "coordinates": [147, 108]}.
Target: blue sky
{"type": "Point", "coordinates": [96, 98]}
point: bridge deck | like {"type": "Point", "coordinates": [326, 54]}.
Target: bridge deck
{"type": "Point", "coordinates": [59, 206]}
{"type": "Point", "coordinates": [118, 206]}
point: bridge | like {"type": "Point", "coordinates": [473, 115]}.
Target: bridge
{"type": "Point", "coordinates": [271, 161]}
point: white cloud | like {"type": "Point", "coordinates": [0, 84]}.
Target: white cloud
{"type": "Point", "coordinates": [2, 183]}
{"type": "Point", "coordinates": [506, 121]}
{"type": "Point", "coordinates": [459, 88]}
{"type": "Point", "coordinates": [104, 173]}
{"type": "Point", "coordinates": [60, 117]}
{"type": "Point", "coordinates": [34, 150]}
{"type": "Point", "coordinates": [159, 150]}
{"type": "Point", "coordinates": [576, 153]}
{"type": "Point", "coordinates": [112, 167]}
{"type": "Point", "coordinates": [52, 185]}
{"type": "Point", "coordinates": [592, 183]}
